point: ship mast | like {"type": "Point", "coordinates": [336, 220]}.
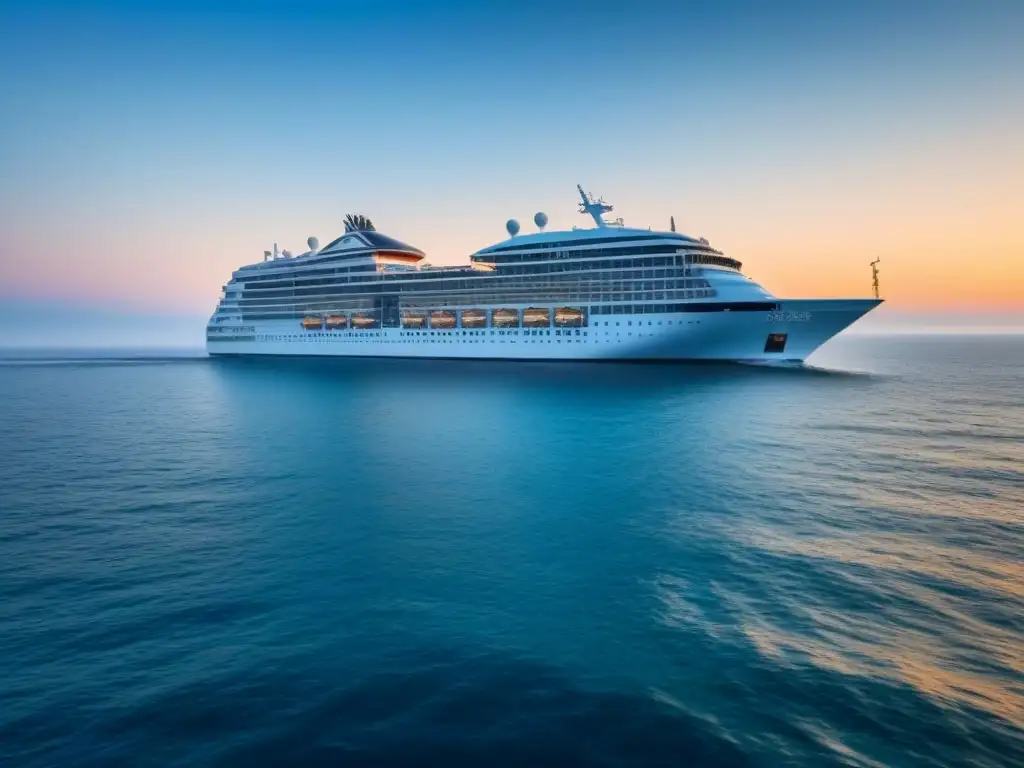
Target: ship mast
{"type": "Point", "coordinates": [594, 207]}
{"type": "Point", "coordinates": [874, 275]}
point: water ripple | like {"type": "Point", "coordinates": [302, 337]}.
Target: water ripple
{"type": "Point", "coordinates": [209, 563]}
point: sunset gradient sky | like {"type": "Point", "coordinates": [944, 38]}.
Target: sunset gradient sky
{"type": "Point", "coordinates": [146, 151]}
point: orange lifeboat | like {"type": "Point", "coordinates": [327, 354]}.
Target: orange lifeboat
{"type": "Point", "coordinates": [442, 318]}
{"type": "Point", "coordinates": [363, 320]}
{"type": "Point", "coordinates": [536, 317]}
{"type": "Point", "coordinates": [474, 318]}
{"type": "Point", "coordinates": [334, 322]}
{"type": "Point", "coordinates": [569, 316]}
{"type": "Point", "coordinates": [505, 318]}
{"type": "Point", "coordinates": [414, 319]}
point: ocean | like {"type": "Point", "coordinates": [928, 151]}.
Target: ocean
{"type": "Point", "coordinates": [210, 562]}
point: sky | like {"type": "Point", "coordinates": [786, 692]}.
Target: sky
{"type": "Point", "coordinates": [148, 149]}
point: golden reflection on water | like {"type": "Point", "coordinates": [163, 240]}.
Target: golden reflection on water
{"type": "Point", "coordinates": [902, 553]}
{"type": "Point", "coordinates": [917, 634]}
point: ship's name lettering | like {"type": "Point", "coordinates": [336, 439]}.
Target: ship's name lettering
{"type": "Point", "coordinates": [235, 329]}
{"type": "Point", "coordinates": [788, 317]}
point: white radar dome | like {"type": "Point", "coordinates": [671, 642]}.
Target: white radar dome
{"type": "Point", "coordinates": [313, 243]}
{"type": "Point", "coordinates": [541, 220]}
{"type": "Point", "coordinates": [513, 227]}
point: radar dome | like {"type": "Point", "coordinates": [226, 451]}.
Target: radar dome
{"type": "Point", "coordinates": [513, 227]}
{"type": "Point", "coordinates": [541, 220]}
{"type": "Point", "coordinates": [313, 243]}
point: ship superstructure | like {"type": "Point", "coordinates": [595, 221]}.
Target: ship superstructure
{"type": "Point", "coordinates": [606, 293]}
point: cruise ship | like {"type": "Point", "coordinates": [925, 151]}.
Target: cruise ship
{"type": "Point", "coordinates": [609, 292]}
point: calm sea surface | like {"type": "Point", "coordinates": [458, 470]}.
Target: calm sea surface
{"type": "Point", "coordinates": [216, 562]}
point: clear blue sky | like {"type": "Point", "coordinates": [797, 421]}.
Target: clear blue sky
{"type": "Point", "coordinates": [146, 149]}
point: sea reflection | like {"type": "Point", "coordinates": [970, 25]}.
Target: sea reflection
{"type": "Point", "coordinates": [786, 566]}
{"type": "Point", "coordinates": [901, 609]}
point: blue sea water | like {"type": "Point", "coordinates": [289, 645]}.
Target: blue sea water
{"type": "Point", "coordinates": [237, 562]}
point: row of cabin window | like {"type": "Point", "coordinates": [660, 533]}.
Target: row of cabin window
{"type": "Point", "coordinates": [659, 279]}
{"type": "Point", "coordinates": [602, 294]}
{"type": "Point", "coordinates": [284, 273]}
{"type": "Point", "coordinates": [367, 333]}
{"type": "Point", "coordinates": [669, 240]}
{"type": "Point", "coordinates": [600, 254]}
{"type": "Point", "coordinates": [369, 273]}
{"type": "Point", "coordinates": [517, 258]}
{"type": "Point", "coordinates": [243, 275]}
{"type": "Point", "coordinates": [634, 270]}
{"type": "Point", "coordinates": [473, 283]}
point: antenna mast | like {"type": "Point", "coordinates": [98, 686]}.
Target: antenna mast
{"type": "Point", "coordinates": [874, 275]}
{"type": "Point", "coordinates": [594, 207]}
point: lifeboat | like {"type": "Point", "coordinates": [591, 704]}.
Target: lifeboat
{"type": "Point", "coordinates": [335, 322]}
{"type": "Point", "coordinates": [442, 318]}
{"type": "Point", "coordinates": [362, 320]}
{"type": "Point", "coordinates": [312, 323]}
{"type": "Point", "coordinates": [505, 318]}
{"type": "Point", "coordinates": [474, 318]}
{"type": "Point", "coordinates": [569, 316]}
{"type": "Point", "coordinates": [414, 320]}
{"type": "Point", "coordinates": [536, 317]}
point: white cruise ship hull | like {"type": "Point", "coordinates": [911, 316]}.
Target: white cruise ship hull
{"type": "Point", "coordinates": [787, 335]}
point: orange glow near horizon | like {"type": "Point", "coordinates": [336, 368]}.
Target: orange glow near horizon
{"type": "Point", "coordinates": [976, 264]}
{"type": "Point", "coordinates": [944, 222]}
